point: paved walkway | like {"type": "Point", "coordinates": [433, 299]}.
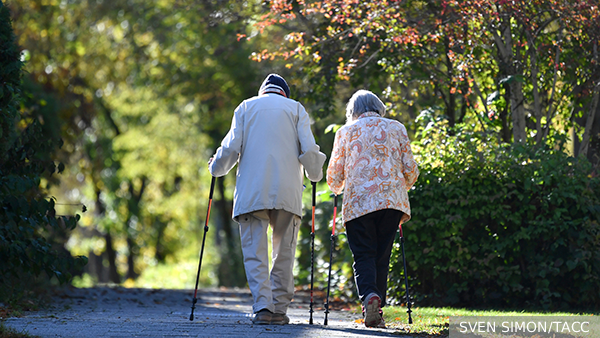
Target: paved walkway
{"type": "Point", "coordinates": [120, 312]}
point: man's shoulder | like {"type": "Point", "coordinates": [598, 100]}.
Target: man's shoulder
{"type": "Point", "coordinates": [270, 101]}
{"type": "Point", "coordinates": [251, 100]}
{"type": "Point", "coordinates": [269, 98]}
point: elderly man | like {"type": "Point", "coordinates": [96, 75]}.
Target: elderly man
{"type": "Point", "coordinates": [270, 138]}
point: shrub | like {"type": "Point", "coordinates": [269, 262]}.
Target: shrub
{"type": "Point", "coordinates": [28, 224]}
{"type": "Point", "coordinates": [502, 226]}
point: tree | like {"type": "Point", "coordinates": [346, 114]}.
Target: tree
{"type": "Point", "coordinates": [31, 250]}
{"type": "Point", "coordinates": [473, 80]}
{"type": "Point", "coordinates": [490, 59]}
{"type": "Point", "coordinates": [146, 87]}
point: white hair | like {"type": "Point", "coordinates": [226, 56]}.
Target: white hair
{"type": "Point", "coordinates": [361, 102]}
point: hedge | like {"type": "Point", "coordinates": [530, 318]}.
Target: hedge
{"type": "Point", "coordinates": [503, 226]}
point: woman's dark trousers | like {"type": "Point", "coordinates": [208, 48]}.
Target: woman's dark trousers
{"type": "Point", "coordinates": [370, 238]}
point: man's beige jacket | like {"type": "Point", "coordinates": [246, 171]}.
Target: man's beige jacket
{"type": "Point", "coordinates": [271, 139]}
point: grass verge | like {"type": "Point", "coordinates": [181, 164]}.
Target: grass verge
{"type": "Point", "coordinates": [434, 322]}
{"type": "Point", "coordinates": [6, 332]}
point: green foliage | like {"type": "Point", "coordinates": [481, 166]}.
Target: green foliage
{"type": "Point", "coordinates": [503, 226]}
{"type": "Point", "coordinates": [10, 77]}
{"type": "Point", "coordinates": [6, 332]}
{"type": "Point", "coordinates": [28, 221]}
{"type": "Point", "coordinates": [147, 92]}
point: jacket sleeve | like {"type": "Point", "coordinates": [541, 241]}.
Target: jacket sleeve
{"type": "Point", "coordinates": [228, 153]}
{"type": "Point", "coordinates": [310, 156]}
{"type": "Point", "coordinates": [410, 169]}
{"type": "Point", "coordinates": [335, 170]}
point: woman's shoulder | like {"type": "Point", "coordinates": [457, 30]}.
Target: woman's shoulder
{"type": "Point", "coordinates": [394, 123]}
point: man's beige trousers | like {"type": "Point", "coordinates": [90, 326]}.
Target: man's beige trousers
{"type": "Point", "coordinates": [272, 291]}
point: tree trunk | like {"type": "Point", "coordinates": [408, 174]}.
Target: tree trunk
{"type": "Point", "coordinates": [537, 101]}
{"type": "Point", "coordinates": [451, 102]}
{"type": "Point", "coordinates": [159, 252]}
{"type": "Point", "coordinates": [588, 132]}
{"type": "Point", "coordinates": [231, 269]}
{"type": "Point", "coordinates": [134, 213]}
{"type": "Point", "coordinates": [96, 268]}
{"type": "Point", "coordinates": [509, 70]}
{"type": "Point", "coordinates": [131, 259]}
{"type": "Point", "coordinates": [224, 210]}
{"type": "Point", "coordinates": [504, 118]}
{"type": "Point", "coordinates": [111, 254]}
{"type": "Point", "coordinates": [113, 273]}
{"type": "Point", "coordinates": [517, 112]}
{"type": "Point", "coordinates": [594, 146]}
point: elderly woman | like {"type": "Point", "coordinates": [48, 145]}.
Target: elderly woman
{"type": "Point", "coordinates": [373, 165]}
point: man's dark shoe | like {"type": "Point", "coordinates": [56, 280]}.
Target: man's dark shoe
{"type": "Point", "coordinates": [262, 317]}
{"type": "Point", "coordinates": [280, 319]}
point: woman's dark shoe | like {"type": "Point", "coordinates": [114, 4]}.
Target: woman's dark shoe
{"type": "Point", "coordinates": [372, 306]}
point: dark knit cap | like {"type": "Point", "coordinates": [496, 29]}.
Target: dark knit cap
{"type": "Point", "coordinates": [274, 80]}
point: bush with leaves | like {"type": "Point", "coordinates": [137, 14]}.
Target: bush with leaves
{"type": "Point", "coordinates": [29, 256]}
{"type": "Point", "coordinates": [501, 226]}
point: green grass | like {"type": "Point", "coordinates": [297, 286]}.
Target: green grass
{"type": "Point", "coordinates": [6, 332]}
{"type": "Point", "coordinates": [434, 322]}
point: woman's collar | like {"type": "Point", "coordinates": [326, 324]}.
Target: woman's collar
{"type": "Point", "coordinates": [369, 114]}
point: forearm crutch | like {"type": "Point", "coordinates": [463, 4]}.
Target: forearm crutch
{"type": "Point", "coordinates": [210, 196]}
{"type": "Point", "coordinates": [312, 249]}
{"type": "Point", "coordinates": [410, 321]}
{"type": "Point", "coordinates": [331, 257]}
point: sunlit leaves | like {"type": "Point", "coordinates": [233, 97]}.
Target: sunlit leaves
{"type": "Point", "coordinates": [142, 84]}
{"type": "Point", "coordinates": [454, 50]}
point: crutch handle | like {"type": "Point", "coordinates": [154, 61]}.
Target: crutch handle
{"type": "Point", "coordinates": [212, 188]}
{"type": "Point", "coordinates": [314, 203]}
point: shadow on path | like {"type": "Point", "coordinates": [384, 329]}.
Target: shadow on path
{"type": "Point", "coordinates": [120, 312]}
